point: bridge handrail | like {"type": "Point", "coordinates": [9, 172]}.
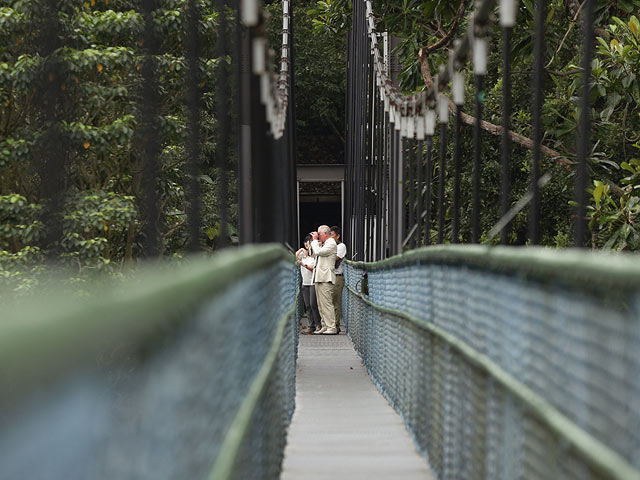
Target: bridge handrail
{"type": "Point", "coordinates": [55, 343]}
{"type": "Point", "coordinates": [570, 265]}
{"type": "Point", "coordinates": [384, 331]}
{"type": "Point", "coordinates": [80, 329]}
{"type": "Point", "coordinates": [241, 426]}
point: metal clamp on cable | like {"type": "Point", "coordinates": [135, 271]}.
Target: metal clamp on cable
{"type": "Point", "coordinates": [479, 46]}
{"type": "Point", "coordinates": [457, 81]}
{"type": "Point", "coordinates": [404, 119]}
{"type": "Point", "coordinates": [442, 100]}
{"type": "Point", "coordinates": [508, 13]}
{"type": "Point", "coordinates": [430, 121]}
{"type": "Point", "coordinates": [250, 13]}
{"type": "Point", "coordinates": [411, 121]}
{"type": "Point", "coordinates": [420, 119]}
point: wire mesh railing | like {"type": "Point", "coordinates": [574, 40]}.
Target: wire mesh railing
{"type": "Point", "coordinates": [393, 161]}
{"type": "Point", "coordinates": [188, 373]}
{"type": "Point", "coordinates": [503, 362]}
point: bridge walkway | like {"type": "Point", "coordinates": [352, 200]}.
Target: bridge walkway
{"type": "Point", "coordinates": [343, 428]}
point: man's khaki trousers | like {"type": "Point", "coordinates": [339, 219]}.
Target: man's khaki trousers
{"type": "Point", "coordinates": [324, 294]}
{"type": "Point", "coordinates": [337, 299]}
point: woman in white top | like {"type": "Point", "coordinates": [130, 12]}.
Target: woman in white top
{"type": "Point", "coordinates": [307, 263]}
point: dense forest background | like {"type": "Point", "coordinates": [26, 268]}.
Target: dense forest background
{"type": "Point", "coordinates": [425, 31]}
{"type": "Point", "coordinates": [102, 57]}
{"type": "Point", "coordinates": [98, 100]}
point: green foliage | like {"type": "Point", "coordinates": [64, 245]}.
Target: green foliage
{"type": "Point", "coordinates": [96, 226]}
{"type": "Point", "coordinates": [19, 224]}
{"type": "Point", "coordinates": [614, 221]}
{"type": "Point", "coordinates": [100, 64]}
{"type": "Point", "coordinates": [615, 96]}
{"type": "Point", "coordinates": [331, 15]}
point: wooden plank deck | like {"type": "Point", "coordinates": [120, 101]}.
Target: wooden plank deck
{"type": "Point", "coordinates": [343, 428]}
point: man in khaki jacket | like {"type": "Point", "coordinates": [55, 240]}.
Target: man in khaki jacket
{"type": "Point", "coordinates": [324, 277]}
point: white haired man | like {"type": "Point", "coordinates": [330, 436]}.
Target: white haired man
{"type": "Point", "coordinates": [324, 249]}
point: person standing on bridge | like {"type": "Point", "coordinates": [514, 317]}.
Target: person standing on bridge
{"type": "Point", "coordinates": [307, 263]}
{"type": "Point", "coordinates": [324, 249]}
{"type": "Point", "coordinates": [339, 271]}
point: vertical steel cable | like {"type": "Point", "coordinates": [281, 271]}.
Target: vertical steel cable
{"type": "Point", "coordinates": [584, 128]}
{"type": "Point", "coordinates": [480, 49]}
{"type": "Point", "coordinates": [506, 127]}
{"type": "Point", "coordinates": [50, 147]}
{"type": "Point", "coordinates": [362, 119]}
{"type": "Point", "coordinates": [353, 184]}
{"type": "Point", "coordinates": [412, 192]}
{"type": "Point", "coordinates": [427, 208]}
{"type": "Point", "coordinates": [380, 171]}
{"type": "Point", "coordinates": [291, 136]}
{"type": "Point", "coordinates": [363, 138]}
{"type": "Point", "coordinates": [148, 131]}
{"type": "Point", "coordinates": [242, 77]}
{"type": "Point", "coordinates": [348, 207]}
{"type": "Point", "coordinates": [222, 114]}
{"type": "Point", "coordinates": [348, 228]}
{"type": "Point", "coordinates": [193, 147]}
{"type": "Point", "coordinates": [442, 172]}
{"type": "Point", "coordinates": [370, 121]}
{"type": "Point", "coordinates": [355, 74]}
{"type": "Point", "coordinates": [419, 196]}
{"type": "Point", "coordinates": [392, 189]}
{"type": "Point", "coordinates": [455, 224]}
{"type": "Point", "coordinates": [381, 185]}
{"type": "Point", "coordinates": [386, 188]}
{"type": "Point", "coordinates": [536, 118]}
{"type": "Point", "coordinates": [400, 201]}
{"type": "Point", "coordinates": [477, 160]}
{"type": "Point", "coordinates": [361, 105]}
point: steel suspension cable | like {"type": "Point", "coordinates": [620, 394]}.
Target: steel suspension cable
{"type": "Point", "coordinates": [51, 147]}
{"type": "Point", "coordinates": [419, 196]}
{"type": "Point", "coordinates": [584, 126]}
{"type": "Point", "coordinates": [369, 191]}
{"type": "Point", "coordinates": [380, 171]}
{"type": "Point", "coordinates": [507, 30]}
{"type": "Point", "coordinates": [362, 154]}
{"type": "Point", "coordinates": [222, 113]}
{"type": "Point", "coordinates": [349, 231]}
{"type": "Point", "coordinates": [480, 56]}
{"type": "Point", "coordinates": [427, 209]}
{"type": "Point", "coordinates": [385, 187]}
{"type": "Point", "coordinates": [409, 163]}
{"type": "Point", "coordinates": [149, 126]}
{"type": "Point", "coordinates": [193, 97]}
{"type": "Point", "coordinates": [536, 119]}
{"type": "Point", "coordinates": [443, 107]}
{"type": "Point", "coordinates": [358, 87]}
{"type": "Point", "coordinates": [458, 93]}
{"type": "Point", "coordinates": [442, 173]}
{"type": "Point", "coordinates": [477, 159]}
{"type": "Point", "coordinates": [455, 223]}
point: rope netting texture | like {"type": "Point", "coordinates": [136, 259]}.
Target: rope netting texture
{"type": "Point", "coordinates": [192, 376]}
{"type": "Point", "coordinates": [505, 363]}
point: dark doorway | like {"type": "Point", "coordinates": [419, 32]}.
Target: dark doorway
{"type": "Point", "coordinates": [314, 214]}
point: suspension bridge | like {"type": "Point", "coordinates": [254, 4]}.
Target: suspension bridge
{"type": "Point", "coordinates": [462, 361]}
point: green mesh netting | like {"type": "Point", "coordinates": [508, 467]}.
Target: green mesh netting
{"type": "Point", "coordinates": [187, 372]}
{"type": "Point", "coordinates": [506, 363]}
